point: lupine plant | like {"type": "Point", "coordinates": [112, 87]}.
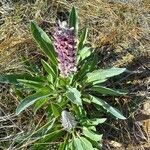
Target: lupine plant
{"type": "Point", "coordinates": [70, 88]}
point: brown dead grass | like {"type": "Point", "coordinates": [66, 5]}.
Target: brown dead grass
{"type": "Point", "coordinates": [120, 34]}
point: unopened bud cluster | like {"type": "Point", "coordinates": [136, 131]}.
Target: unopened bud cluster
{"type": "Point", "coordinates": [68, 121]}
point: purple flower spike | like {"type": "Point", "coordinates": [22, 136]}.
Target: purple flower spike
{"type": "Point", "coordinates": [64, 41]}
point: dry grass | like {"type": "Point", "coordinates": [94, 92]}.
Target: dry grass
{"type": "Point", "coordinates": [119, 31]}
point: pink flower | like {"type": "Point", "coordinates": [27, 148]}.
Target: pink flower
{"type": "Point", "coordinates": [64, 41]}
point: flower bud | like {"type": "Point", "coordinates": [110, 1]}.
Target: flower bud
{"type": "Point", "coordinates": [68, 121]}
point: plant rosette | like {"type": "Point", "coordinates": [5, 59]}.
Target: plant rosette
{"type": "Point", "coordinates": [67, 86]}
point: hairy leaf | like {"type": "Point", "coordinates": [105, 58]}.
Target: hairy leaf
{"type": "Point", "coordinates": [31, 84]}
{"type": "Point", "coordinates": [36, 135]}
{"type": "Point", "coordinates": [73, 19]}
{"type": "Point", "coordinates": [86, 144]}
{"type": "Point", "coordinates": [106, 91]}
{"type": "Point", "coordinates": [83, 38]}
{"type": "Point", "coordinates": [91, 134]}
{"type": "Point", "coordinates": [115, 112]}
{"type": "Point", "coordinates": [39, 104]}
{"type": "Point", "coordinates": [102, 75]}
{"type": "Point", "coordinates": [46, 139]}
{"type": "Point", "coordinates": [42, 93]}
{"type": "Point", "coordinates": [48, 68]}
{"type": "Point", "coordinates": [44, 42]}
{"type": "Point", "coordinates": [13, 78]}
{"type": "Point", "coordinates": [77, 144]}
{"type": "Point", "coordinates": [63, 145]}
{"type": "Point", "coordinates": [95, 121]}
{"type": "Point", "coordinates": [74, 95]}
{"type": "Point", "coordinates": [84, 53]}
{"type": "Point", "coordinates": [56, 109]}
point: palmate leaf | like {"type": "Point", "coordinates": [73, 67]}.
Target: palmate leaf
{"type": "Point", "coordinates": [42, 93]}
{"type": "Point", "coordinates": [101, 75]}
{"type": "Point", "coordinates": [74, 95]}
{"type": "Point", "coordinates": [115, 112]}
{"type": "Point", "coordinates": [106, 91]}
{"type": "Point", "coordinates": [44, 42]}
{"type": "Point", "coordinates": [73, 19]}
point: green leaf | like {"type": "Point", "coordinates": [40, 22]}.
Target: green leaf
{"type": "Point", "coordinates": [63, 145]}
{"type": "Point", "coordinates": [70, 145]}
{"type": "Point", "coordinates": [51, 125]}
{"type": "Point", "coordinates": [80, 112]}
{"type": "Point", "coordinates": [36, 135]}
{"type": "Point", "coordinates": [31, 84]}
{"type": "Point", "coordinates": [39, 104]}
{"type": "Point", "coordinates": [73, 19]}
{"type": "Point", "coordinates": [115, 112]}
{"type": "Point", "coordinates": [84, 53]}
{"type": "Point", "coordinates": [44, 42]}
{"type": "Point", "coordinates": [96, 144]}
{"type": "Point", "coordinates": [102, 75]}
{"type": "Point", "coordinates": [56, 109]}
{"type": "Point", "coordinates": [106, 91]}
{"type": "Point", "coordinates": [88, 65]}
{"type": "Point", "coordinates": [50, 79]}
{"type": "Point", "coordinates": [87, 100]}
{"type": "Point", "coordinates": [77, 144]}
{"type": "Point", "coordinates": [42, 93]}
{"type": "Point", "coordinates": [12, 78]}
{"type": "Point", "coordinates": [95, 121]}
{"type": "Point", "coordinates": [86, 144]}
{"type": "Point", "coordinates": [32, 68]}
{"type": "Point", "coordinates": [83, 38]}
{"type": "Point", "coordinates": [50, 137]}
{"type": "Point", "coordinates": [44, 129]}
{"type": "Point", "coordinates": [74, 95]}
{"type": "Point", "coordinates": [90, 134]}
{"type": "Point", "coordinates": [48, 68]}
{"type": "Point", "coordinates": [94, 59]}
{"type": "Point", "coordinates": [82, 72]}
